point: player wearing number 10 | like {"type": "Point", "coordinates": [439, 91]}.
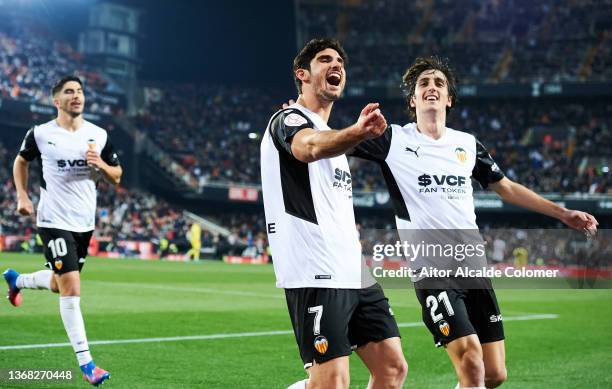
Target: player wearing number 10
{"type": "Point", "coordinates": [73, 153]}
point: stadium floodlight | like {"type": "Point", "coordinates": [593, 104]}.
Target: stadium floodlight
{"type": "Point", "coordinates": [253, 135]}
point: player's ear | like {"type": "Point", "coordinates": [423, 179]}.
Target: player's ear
{"type": "Point", "coordinates": [449, 103]}
{"type": "Point", "coordinates": [412, 102]}
{"type": "Point", "coordinates": [302, 74]}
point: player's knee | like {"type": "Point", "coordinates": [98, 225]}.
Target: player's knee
{"type": "Point", "coordinates": [70, 290]}
{"type": "Point", "coordinates": [472, 365]}
{"type": "Point", "coordinates": [334, 379]}
{"type": "Point", "coordinates": [495, 377]}
{"type": "Point", "coordinates": [397, 372]}
{"type": "Point", "coordinates": [393, 374]}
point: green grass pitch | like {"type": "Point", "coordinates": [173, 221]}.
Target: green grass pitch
{"type": "Point", "coordinates": [132, 299]}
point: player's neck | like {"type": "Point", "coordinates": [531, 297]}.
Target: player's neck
{"type": "Point", "coordinates": [323, 109]}
{"type": "Point", "coordinates": [432, 124]}
{"type": "Point", "coordinates": [68, 122]}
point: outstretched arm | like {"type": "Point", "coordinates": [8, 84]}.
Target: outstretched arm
{"type": "Point", "coordinates": [309, 145]}
{"type": "Point", "coordinates": [521, 196]}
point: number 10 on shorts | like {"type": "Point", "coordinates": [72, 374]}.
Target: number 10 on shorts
{"type": "Point", "coordinates": [58, 247]}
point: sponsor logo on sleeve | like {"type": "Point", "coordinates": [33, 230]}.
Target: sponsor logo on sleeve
{"type": "Point", "coordinates": [294, 120]}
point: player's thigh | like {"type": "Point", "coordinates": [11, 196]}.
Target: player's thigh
{"type": "Point", "coordinates": [445, 314]}
{"type": "Point", "coordinates": [333, 373]}
{"type": "Point", "coordinates": [320, 319]}
{"type": "Point", "coordinates": [458, 348]}
{"type": "Point", "coordinates": [60, 249]}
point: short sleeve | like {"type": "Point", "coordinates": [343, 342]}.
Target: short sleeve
{"type": "Point", "coordinates": [485, 169]}
{"type": "Point", "coordinates": [29, 149]}
{"type": "Point", "coordinates": [375, 149]}
{"type": "Point", "coordinates": [285, 125]}
{"type": "Point", "coordinates": [109, 155]}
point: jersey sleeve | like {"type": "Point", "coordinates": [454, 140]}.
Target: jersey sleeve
{"type": "Point", "coordinates": [109, 155]}
{"type": "Point", "coordinates": [485, 169]}
{"type": "Point", "coordinates": [285, 125]}
{"type": "Point", "coordinates": [375, 149]}
{"type": "Point", "coordinates": [29, 149]}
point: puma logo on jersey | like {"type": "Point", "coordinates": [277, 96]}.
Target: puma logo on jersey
{"type": "Point", "coordinates": [51, 143]}
{"type": "Point", "coordinates": [413, 151]}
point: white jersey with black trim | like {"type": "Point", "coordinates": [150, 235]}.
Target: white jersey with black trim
{"type": "Point", "coordinates": [309, 209]}
{"type": "Point", "coordinates": [429, 180]}
{"type": "Point", "coordinates": [68, 188]}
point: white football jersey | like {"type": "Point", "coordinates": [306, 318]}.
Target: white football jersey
{"type": "Point", "coordinates": [309, 209]}
{"type": "Point", "coordinates": [429, 180]}
{"type": "Point", "coordinates": [68, 189]}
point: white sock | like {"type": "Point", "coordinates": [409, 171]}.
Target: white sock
{"type": "Point", "coordinates": [37, 280]}
{"type": "Point", "coordinates": [70, 309]}
{"type": "Point", "coordinates": [458, 386]}
{"type": "Point", "coordinates": [298, 385]}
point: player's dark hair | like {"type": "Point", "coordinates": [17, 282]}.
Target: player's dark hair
{"type": "Point", "coordinates": [420, 65]}
{"type": "Point", "coordinates": [309, 51]}
{"type": "Point", "coordinates": [60, 84]}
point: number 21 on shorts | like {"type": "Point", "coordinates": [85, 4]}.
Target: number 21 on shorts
{"type": "Point", "coordinates": [432, 303]}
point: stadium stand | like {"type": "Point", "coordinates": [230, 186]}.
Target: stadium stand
{"type": "Point", "coordinates": [487, 41]}
{"type": "Point", "coordinates": [33, 58]}
{"type": "Point", "coordinates": [206, 129]}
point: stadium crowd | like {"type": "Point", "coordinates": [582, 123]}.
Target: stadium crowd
{"type": "Point", "coordinates": [33, 58]}
{"type": "Point", "coordinates": [552, 146]}
{"type": "Point", "coordinates": [211, 130]}
{"type": "Point", "coordinates": [130, 215]}
{"type": "Point", "coordinates": [487, 41]}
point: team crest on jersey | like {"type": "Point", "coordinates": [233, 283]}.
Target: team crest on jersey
{"type": "Point", "coordinates": [59, 264]}
{"type": "Point", "coordinates": [294, 120]}
{"type": "Point", "coordinates": [444, 328]}
{"type": "Point", "coordinates": [461, 154]}
{"type": "Point", "coordinates": [321, 344]}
